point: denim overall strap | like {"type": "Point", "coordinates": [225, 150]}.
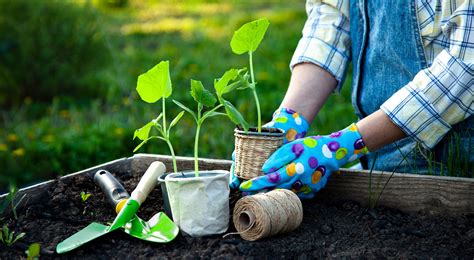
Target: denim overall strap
{"type": "Point", "coordinates": [387, 53]}
{"type": "Point", "coordinates": [387, 50]}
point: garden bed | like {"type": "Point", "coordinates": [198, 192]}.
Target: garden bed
{"type": "Point", "coordinates": [418, 216]}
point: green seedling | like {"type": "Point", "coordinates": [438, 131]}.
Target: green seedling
{"type": "Point", "coordinates": [85, 196]}
{"type": "Point", "coordinates": [374, 202]}
{"type": "Point", "coordinates": [152, 86]}
{"type": "Point", "coordinates": [246, 40]}
{"type": "Point", "coordinates": [8, 237]}
{"type": "Point", "coordinates": [232, 79]}
{"type": "Point", "coordinates": [11, 200]}
{"type": "Point", "coordinates": [33, 251]}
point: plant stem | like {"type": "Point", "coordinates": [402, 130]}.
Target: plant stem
{"type": "Point", "coordinates": [164, 118]}
{"type": "Point", "coordinates": [196, 140]}
{"type": "Point", "coordinates": [175, 168]}
{"type": "Point", "coordinates": [167, 137]}
{"type": "Point", "coordinates": [259, 117]}
{"type": "Point", "coordinates": [196, 144]}
{"type": "Point", "coordinates": [217, 107]}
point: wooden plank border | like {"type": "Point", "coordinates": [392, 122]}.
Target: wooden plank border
{"type": "Point", "coordinates": [432, 195]}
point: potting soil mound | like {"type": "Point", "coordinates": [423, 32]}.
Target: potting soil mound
{"type": "Point", "coordinates": [328, 230]}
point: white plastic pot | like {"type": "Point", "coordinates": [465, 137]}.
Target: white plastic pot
{"type": "Point", "coordinates": [199, 205]}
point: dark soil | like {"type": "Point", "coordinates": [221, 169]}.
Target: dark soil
{"type": "Point", "coordinates": [270, 130]}
{"type": "Point", "coordinates": [328, 230]}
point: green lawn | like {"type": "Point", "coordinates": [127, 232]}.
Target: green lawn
{"type": "Point", "coordinates": [40, 141]}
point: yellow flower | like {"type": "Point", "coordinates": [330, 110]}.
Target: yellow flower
{"type": "Point", "coordinates": [19, 152]}
{"type": "Point", "coordinates": [118, 131]}
{"type": "Point", "coordinates": [3, 147]}
{"type": "Point", "coordinates": [12, 138]}
{"type": "Point", "coordinates": [126, 101]}
{"type": "Point", "coordinates": [48, 138]}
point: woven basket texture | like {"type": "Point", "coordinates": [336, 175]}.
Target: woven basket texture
{"type": "Point", "coordinates": [251, 152]}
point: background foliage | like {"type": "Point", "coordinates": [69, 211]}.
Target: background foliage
{"type": "Point", "coordinates": [68, 73]}
{"type": "Point", "coordinates": [49, 49]}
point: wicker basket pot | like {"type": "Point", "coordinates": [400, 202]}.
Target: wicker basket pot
{"type": "Point", "coordinates": [252, 149]}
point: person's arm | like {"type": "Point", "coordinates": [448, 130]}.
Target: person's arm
{"type": "Point", "coordinates": [377, 130]}
{"type": "Point", "coordinates": [321, 58]}
{"type": "Point", "coordinates": [309, 88]}
{"type": "Point", "coordinates": [442, 94]}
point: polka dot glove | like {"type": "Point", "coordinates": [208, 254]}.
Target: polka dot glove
{"type": "Point", "coordinates": [294, 125]}
{"type": "Point", "coordinates": [305, 164]}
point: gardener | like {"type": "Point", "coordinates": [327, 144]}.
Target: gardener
{"type": "Point", "coordinates": [413, 84]}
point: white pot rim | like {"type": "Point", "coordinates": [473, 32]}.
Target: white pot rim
{"type": "Point", "coordinates": [175, 176]}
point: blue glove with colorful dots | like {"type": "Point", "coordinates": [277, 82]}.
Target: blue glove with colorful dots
{"type": "Point", "coordinates": [288, 120]}
{"type": "Point", "coordinates": [305, 164]}
{"type": "Point", "coordinates": [294, 125]}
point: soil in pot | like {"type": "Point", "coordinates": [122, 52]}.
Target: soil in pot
{"type": "Point", "coordinates": [342, 229]}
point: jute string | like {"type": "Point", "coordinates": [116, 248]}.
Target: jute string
{"type": "Point", "coordinates": [267, 214]}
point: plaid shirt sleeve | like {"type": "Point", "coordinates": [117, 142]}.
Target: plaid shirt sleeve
{"type": "Point", "coordinates": [442, 94]}
{"type": "Point", "coordinates": [326, 38]}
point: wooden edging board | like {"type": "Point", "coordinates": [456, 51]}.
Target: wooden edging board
{"type": "Point", "coordinates": [432, 195]}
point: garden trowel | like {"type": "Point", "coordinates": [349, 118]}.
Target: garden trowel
{"type": "Point", "coordinates": [127, 213]}
{"type": "Point", "coordinates": [158, 229]}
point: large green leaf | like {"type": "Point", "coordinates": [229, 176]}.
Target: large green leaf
{"type": "Point", "coordinates": [222, 85]}
{"type": "Point", "coordinates": [155, 83]}
{"type": "Point", "coordinates": [143, 132]}
{"type": "Point", "coordinates": [202, 95]}
{"type": "Point", "coordinates": [235, 115]}
{"type": "Point", "coordinates": [248, 37]}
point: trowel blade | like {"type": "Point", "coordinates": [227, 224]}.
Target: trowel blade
{"type": "Point", "coordinates": [160, 228]}
{"type": "Point", "coordinates": [89, 233]}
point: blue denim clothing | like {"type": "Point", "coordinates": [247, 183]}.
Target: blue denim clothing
{"type": "Point", "coordinates": [385, 60]}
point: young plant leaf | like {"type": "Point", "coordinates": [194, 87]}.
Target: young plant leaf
{"type": "Point", "coordinates": [202, 95]}
{"type": "Point", "coordinates": [85, 196]}
{"type": "Point", "coordinates": [33, 251]}
{"type": "Point", "coordinates": [146, 140]}
{"type": "Point", "coordinates": [185, 108]}
{"type": "Point", "coordinates": [18, 237]}
{"type": "Point", "coordinates": [176, 120]}
{"type": "Point", "coordinates": [212, 114]}
{"type": "Point", "coordinates": [155, 83]}
{"type": "Point", "coordinates": [235, 115]}
{"type": "Point", "coordinates": [241, 82]}
{"type": "Point", "coordinates": [222, 85]}
{"type": "Point", "coordinates": [248, 37]}
{"type": "Point", "coordinates": [143, 132]}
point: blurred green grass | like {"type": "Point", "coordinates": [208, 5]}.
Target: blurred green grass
{"type": "Point", "coordinates": [39, 141]}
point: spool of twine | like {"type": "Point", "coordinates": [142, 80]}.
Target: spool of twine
{"type": "Point", "coordinates": [267, 214]}
{"type": "Point", "coordinates": [252, 150]}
